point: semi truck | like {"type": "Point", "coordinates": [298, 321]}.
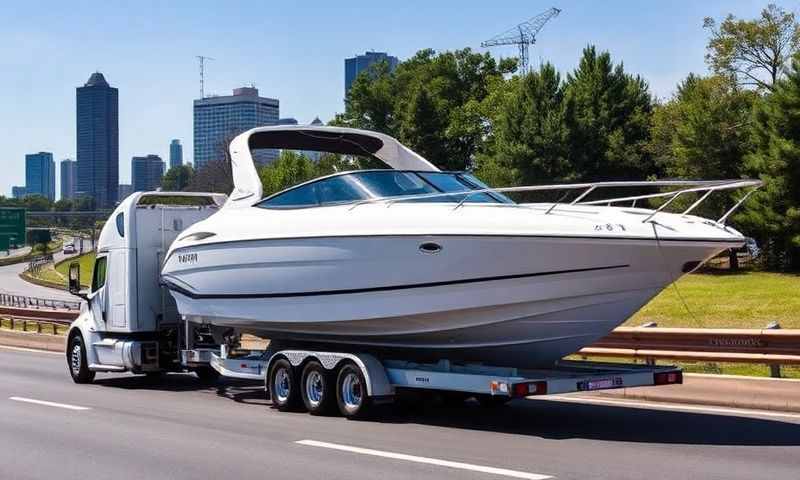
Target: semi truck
{"type": "Point", "coordinates": [129, 323]}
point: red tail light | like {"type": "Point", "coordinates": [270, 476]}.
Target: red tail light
{"type": "Point", "coordinates": [530, 388]}
{"type": "Point", "coordinates": [667, 378]}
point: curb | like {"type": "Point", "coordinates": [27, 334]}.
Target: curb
{"type": "Point", "coordinates": [755, 393]}
{"type": "Point", "coordinates": [36, 341]}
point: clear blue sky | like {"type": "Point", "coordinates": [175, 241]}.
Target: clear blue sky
{"type": "Point", "coordinates": [293, 51]}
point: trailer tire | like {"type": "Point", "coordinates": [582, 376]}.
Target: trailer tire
{"type": "Point", "coordinates": [351, 392]}
{"type": "Point", "coordinates": [284, 389]}
{"type": "Point", "coordinates": [76, 361]}
{"type": "Point", "coordinates": [317, 388]}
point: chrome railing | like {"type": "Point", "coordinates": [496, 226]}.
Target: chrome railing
{"type": "Point", "coordinates": [707, 187]}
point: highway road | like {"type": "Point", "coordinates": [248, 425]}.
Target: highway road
{"type": "Point", "coordinates": [129, 427]}
{"type": "Point", "coordinates": [10, 282]}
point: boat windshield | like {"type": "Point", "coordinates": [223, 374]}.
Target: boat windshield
{"type": "Point", "coordinates": [371, 184]}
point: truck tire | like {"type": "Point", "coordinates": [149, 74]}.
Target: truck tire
{"type": "Point", "coordinates": [284, 389]}
{"type": "Point", "coordinates": [351, 392]}
{"type": "Point", "coordinates": [317, 388]}
{"type": "Point", "coordinates": [76, 361]}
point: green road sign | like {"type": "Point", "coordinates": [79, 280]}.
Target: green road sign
{"type": "Point", "coordinates": [12, 225]}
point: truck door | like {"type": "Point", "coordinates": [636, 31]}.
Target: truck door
{"type": "Point", "coordinates": [97, 295]}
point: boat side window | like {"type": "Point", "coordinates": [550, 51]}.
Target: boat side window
{"type": "Point", "coordinates": [303, 196]}
{"type": "Point", "coordinates": [448, 182]}
{"type": "Point", "coordinates": [338, 189]}
{"type": "Point", "coordinates": [392, 183]}
{"type": "Point", "coordinates": [99, 274]}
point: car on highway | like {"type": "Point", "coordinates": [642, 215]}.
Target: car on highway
{"type": "Point", "coordinates": [69, 249]}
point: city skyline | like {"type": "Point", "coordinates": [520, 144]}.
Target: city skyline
{"type": "Point", "coordinates": [662, 43]}
{"type": "Point", "coordinates": [97, 140]}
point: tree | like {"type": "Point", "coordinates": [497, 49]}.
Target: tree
{"type": "Point", "coordinates": [607, 114]}
{"type": "Point", "coordinates": [774, 211]}
{"type": "Point", "coordinates": [431, 102]}
{"type": "Point", "coordinates": [63, 205]}
{"type": "Point", "coordinates": [529, 133]}
{"type": "Point", "coordinates": [753, 52]}
{"type": "Point", "coordinates": [177, 178]}
{"type": "Point", "coordinates": [37, 203]}
{"type": "Point", "coordinates": [703, 131]}
{"type": "Point", "coordinates": [289, 169]}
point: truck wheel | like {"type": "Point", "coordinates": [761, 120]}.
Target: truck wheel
{"type": "Point", "coordinates": [317, 389]}
{"type": "Point", "coordinates": [206, 374]}
{"type": "Point", "coordinates": [76, 361]}
{"type": "Point", "coordinates": [351, 392]}
{"type": "Point", "coordinates": [283, 386]}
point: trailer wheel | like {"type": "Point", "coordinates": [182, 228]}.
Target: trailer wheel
{"type": "Point", "coordinates": [317, 388]}
{"type": "Point", "coordinates": [76, 361]}
{"type": "Point", "coordinates": [284, 389]}
{"type": "Point", "coordinates": [351, 392]}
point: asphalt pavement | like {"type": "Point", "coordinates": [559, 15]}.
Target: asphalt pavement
{"type": "Point", "coordinates": [126, 427]}
{"type": "Point", "coordinates": [10, 281]}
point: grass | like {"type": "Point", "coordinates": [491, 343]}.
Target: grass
{"type": "Point", "coordinates": [742, 300]}
{"type": "Point", "coordinates": [86, 262]}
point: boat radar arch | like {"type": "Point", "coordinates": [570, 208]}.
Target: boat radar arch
{"type": "Point", "coordinates": [346, 141]}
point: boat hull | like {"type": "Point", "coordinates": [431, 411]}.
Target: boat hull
{"type": "Point", "coordinates": [512, 300]}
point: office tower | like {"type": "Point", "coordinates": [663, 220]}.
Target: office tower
{"type": "Point", "coordinates": [98, 141]}
{"type": "Point", "coordinates": [69, 176]}
{"type": "Point", "coordinates": [354, 66]}
{"type": "Point", "coordinates": [40, 175]}
{"type": "Point", "coordinates": [175, 153]}
{"type": "Point", "coordinates": [146, 173]}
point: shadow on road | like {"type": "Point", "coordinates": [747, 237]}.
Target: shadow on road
{"type": "Point", "coordinates": [550, 419]}
{"type": "Point", "coordinates": [568, 420]}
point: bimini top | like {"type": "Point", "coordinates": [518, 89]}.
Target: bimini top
{"type": "Point", "coordinates": [347, 141]}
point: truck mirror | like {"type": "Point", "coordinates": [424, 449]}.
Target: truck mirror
{"type": "Point", "coordinates": [74, 278]}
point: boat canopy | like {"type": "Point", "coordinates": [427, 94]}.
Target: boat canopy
{"type": "Point", "coordinates": [346, 141]}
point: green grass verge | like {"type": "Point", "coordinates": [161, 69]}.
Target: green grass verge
{"type": "Point", "coordinates": [742, 300]}
{"type": "Point", "coordinates": [86, 262]}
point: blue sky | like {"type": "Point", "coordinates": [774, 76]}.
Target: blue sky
{"type": "Point", "coordinates": [293, 51]}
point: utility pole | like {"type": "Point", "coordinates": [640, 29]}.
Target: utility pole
{"type": "Point", "coordinates": [202, 59]}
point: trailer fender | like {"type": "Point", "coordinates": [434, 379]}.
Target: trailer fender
{"type": "Point", "coordinates": [377, 381]}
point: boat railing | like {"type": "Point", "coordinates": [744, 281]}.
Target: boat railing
{"type": "Point", "coordinates": [706, 187]}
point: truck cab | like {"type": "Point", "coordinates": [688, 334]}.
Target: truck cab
{"type": "Point", "coordinates": [128, 322]}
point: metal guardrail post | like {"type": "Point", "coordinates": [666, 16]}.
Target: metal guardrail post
{"type": "Point", "coordinates": [774, 369]}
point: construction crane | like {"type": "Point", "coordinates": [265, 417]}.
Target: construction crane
{"type": "Point", "coordinates": [202, 61]}
{"type": "Point", "coordinates": [523, 35]}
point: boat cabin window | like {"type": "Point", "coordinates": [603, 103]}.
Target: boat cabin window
{"type": "Point", "coordinates": [99, 274]}
{"type": "Point", "coordinates": [374, 184]}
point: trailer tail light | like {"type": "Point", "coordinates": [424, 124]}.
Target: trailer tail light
{"type": "Point", "coordinates": [667, 378]}
{"type": "Point", "coordinates": [530, 388]}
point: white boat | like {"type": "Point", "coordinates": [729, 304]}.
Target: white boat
{"type": "Point", "coordinates": [404, 259]}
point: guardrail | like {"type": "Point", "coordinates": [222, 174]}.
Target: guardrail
{"type": "Point", "coordinates": [21, 301]}
{"type": "Point", "coordinates": [769, 346]}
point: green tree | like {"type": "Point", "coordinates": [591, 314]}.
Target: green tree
{"type": "Point", "coordinates": [703, 131]}
{"type": "Point", "coordinates": [37, 203]}
{"type": "Point", "coordinates": [753, 52]}
{"type": "Point", "coordinates": [607, 113]}
{"type": "Point", "coordinates": [177, 178]}
{"type": "Point", "coordinates": [529, 133]}
{"type": "Point", "coordinates": [775, 209]}
{"type": "Point", "coordinates": [431, 102]}
{"type": "Point", "coordinates": [63, 205]}
{"type": "Point", "coordinates": [290, 168]}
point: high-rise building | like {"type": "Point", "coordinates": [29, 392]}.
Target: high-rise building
{"type": "Point", "coordinates": [175, 153]}
{"type": "Point", "coordinates": [124, 190]}
{"type": "Point", "coordinates": [98, 141]}
{"type": "Point", "coordinates": [18, 191]}
{"type": "Point", "coordinates": [287, 121]}
{"type": "Point", "coordinates": [69, 176]}
{"type": "Point", "coordinates": [217, 120]}
{"type": "Point", "coordinates": [40, 175]}
{"type": "Point", "coordinates": [146, 173]}
{"type": "Point", "coordinates": [354, 66]}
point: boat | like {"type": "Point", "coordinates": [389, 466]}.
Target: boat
{"type": "Point", "coordinates": [431, 263]}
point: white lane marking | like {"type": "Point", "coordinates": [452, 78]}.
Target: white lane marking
{"type": "Point", "coordinates": [670, 406]}
{"type": "Point", "coordinates": [32, 350]}
{"type": "Point", "coordinates": [426, 460]}
{"type": "Point", "coordinates": [48, 404]}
